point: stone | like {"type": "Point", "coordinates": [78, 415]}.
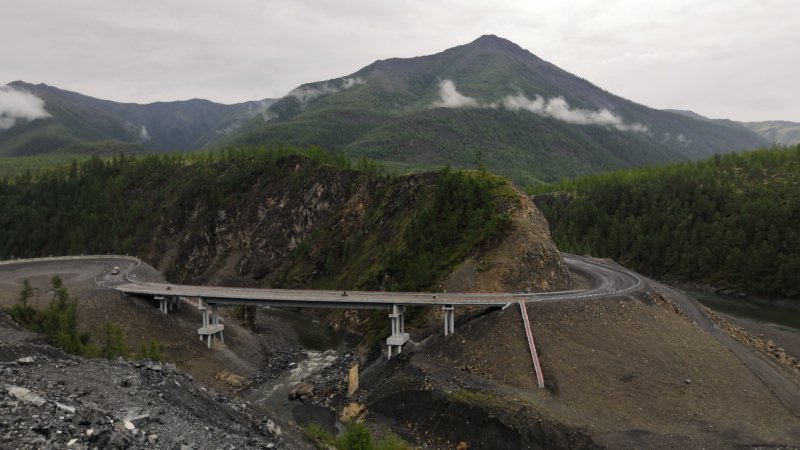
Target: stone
{"type": "Point", "coordinates": [274, 429]}
{"type": "Point", "coordinates": [462, 446]}
{"type": "Point", "coordinates": [27, 360]}
{"type": "Point", "coordinates": [302, 390]}
{"type": "Point", "coordinates": [351, 412]}
{"type": "Point", "coordinates": [25, 395]}
{"type": "Point", "coordinates": [231, 378]}
{"type": "Point", "coordinates": [688, 381]}
{"type": "Point", "coordinates": [67, 408]}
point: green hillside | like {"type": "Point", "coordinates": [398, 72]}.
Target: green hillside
{"type": "Point", "coordinates": [77, 121]}
{"type": "Point", "coordinates": [392, 110]}
{"type": "Point", "coordinates": [731, 221]}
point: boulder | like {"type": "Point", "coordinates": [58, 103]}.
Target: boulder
{"type": "Point", "coordinates": [301, 391]}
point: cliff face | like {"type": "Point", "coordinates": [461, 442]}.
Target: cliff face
{"type": "Point", "coordinates": [525, 260]}
{"type": "Point", "coordinates": [322, 227]}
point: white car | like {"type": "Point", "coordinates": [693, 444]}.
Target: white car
{"type": "Point", "coordinates": [115, 270]}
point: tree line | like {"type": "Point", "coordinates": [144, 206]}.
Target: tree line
{"type": "Point", "coordinates": [731, 221]}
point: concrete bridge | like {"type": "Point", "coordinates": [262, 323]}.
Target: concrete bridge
{"type": "Point", "coordinates": [606, 279]}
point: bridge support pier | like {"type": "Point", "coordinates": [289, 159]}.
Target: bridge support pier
{"type": "Point", "coordinates": [211, 327]}
{"type": "Point", "coordinates": [399, 337]}
{"type": "Point", "coordinates": [162, 303]}
{"type": "Point", "coordinates": [167, 304]}
{"type": "Point", "coordinates": [449, 319]}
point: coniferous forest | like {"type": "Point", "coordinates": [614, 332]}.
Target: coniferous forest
{"type": "Point", "coordinates": [732, 221]}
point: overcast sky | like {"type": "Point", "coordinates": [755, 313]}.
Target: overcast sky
{"type": "Point", "coordinates": [737, 59]}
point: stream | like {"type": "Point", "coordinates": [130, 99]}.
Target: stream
{"type": "Point", "coordinates": [323, 347]}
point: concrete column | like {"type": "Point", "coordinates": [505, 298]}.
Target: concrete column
{"type": "Point", "coordinates": [449, 319]}
{"type": "Point", "coordinates": [399, 337]}
{"type": "Point", "coordinates": [162, 303]}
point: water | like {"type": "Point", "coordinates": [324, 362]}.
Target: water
{"type": "Point", "coordinates": [323, 347]}
{"type": "Point", "coordinates": [746, 309]}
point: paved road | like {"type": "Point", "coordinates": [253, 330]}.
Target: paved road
{"type": "Point", "coordinates": [607, 280]}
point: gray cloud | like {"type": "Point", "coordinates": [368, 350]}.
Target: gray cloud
{"type": "Point", "coordinates": [17, 104]}
{"type": "Point", "coordinates": [557, 108]}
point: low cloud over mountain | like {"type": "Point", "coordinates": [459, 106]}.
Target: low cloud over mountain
{"type": "Point", "coordinates": [556, 108]}
{"type": "Point", "coordinates": [18, 104]}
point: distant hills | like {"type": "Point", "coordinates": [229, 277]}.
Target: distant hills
{"type": "Point", "coordinates": [79, 123]}
{"type": "Point", "coordinates": [781, 132]}
{"type": "Point", "coordinates": [778, 131]}
{"type": "Point", "coordinates": [488, 102]}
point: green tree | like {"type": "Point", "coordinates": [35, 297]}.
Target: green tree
{"type": "Point", "coordinates": [113, 345]}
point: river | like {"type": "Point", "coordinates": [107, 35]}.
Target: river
{"type": "Point", "coordinates": [745, 309]}
{"type": "Point", "coordinates": [323, 347]}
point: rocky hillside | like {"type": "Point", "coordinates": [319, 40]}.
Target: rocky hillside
{"type": "Point", "coordinates": [316, 226]}
{"type": "Point", "coordinates": [52, 400]}
{"type": "Point", "coordinates": [265, 218]}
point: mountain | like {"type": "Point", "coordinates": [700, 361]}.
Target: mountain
{"type": "Point", "coordinates": [778, 131]}
{"type": "Point", "coordinates": [69, 121]}
{"type": "Point", "coordinates": [489, 101]}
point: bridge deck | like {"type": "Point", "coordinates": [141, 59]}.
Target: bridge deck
{"type": "Point", "coordinates": [319, 298]}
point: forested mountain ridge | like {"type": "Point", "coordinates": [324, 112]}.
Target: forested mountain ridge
{"type": "Point", "coordinates": [730, 221]}
{"type": "Point", "coordinates": [76, 123]}
{"type": "Point", "coordinates": [256, 217]}
{"type": "Point", "coordinates": [489, 100]}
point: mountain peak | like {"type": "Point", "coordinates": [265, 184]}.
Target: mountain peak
{"type": "Point", "coordinates": [493, 42]}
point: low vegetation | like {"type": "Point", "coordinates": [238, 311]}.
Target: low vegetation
{"type": "Point", "coordinates": [58, 322]}
{"type": "Point", "coordinates": [731, 221]}
{"type": "Point", "coordinates": [354, 437]}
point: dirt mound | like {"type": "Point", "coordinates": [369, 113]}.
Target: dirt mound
{"type": "Point", "coordinates": [627, 372]}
